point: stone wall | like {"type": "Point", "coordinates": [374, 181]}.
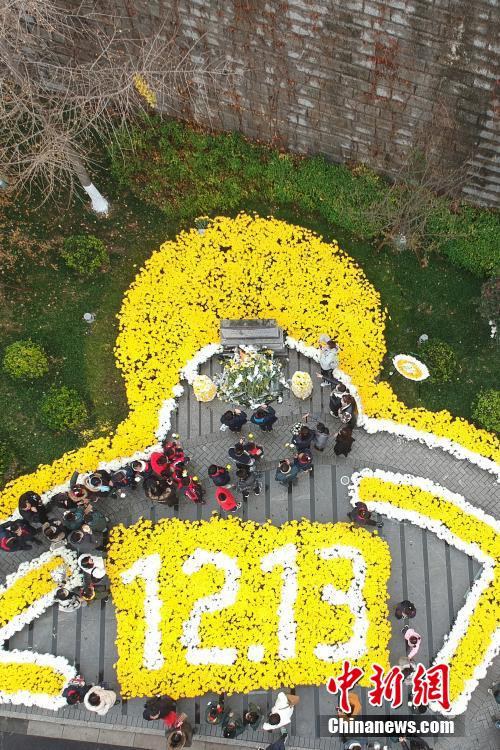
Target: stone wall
{"type": "Point", "coordinates": [352, 79]}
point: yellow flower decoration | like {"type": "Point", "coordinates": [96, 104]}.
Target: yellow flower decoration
{"type": "Point", "coordinates": [302, 384]}
{"type": "Point", "coordinates": [246, 267]}
{"type": "Point", "coordinates": [410, 367]}
{"type": "Point", "coordinates": [242, 641]}
{"type": "Point", "coordinates": [204, 388]}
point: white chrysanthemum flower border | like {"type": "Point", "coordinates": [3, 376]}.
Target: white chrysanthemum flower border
{"type": "Point", "coordinates": [17, 623]}
{"type": "Point", "coordinates": [473, 550]}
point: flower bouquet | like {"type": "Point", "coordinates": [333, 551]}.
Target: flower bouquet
{"type": "Point", "coordinates": [301, 384]}
{"type": "Point", "coordinates": [251, 378]}
{"type": "Point", "coordinates": [204, 388]}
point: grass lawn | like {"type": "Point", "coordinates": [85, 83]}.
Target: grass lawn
{"type": "Point", "coordinates": [40, 298]}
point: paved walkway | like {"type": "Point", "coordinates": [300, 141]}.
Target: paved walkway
{"type": "Point", "coordinates": [435, 576]}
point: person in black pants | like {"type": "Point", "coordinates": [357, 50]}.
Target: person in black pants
{"type": "Point", "coordinates": [264, 417]}
{"type": "Point", "coordinates": [234, 419]}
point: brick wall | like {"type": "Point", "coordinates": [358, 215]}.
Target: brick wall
{"type": "Point", "coordinates": [351, 79]}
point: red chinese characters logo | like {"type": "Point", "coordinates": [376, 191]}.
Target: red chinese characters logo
{"type": "Point", "coordinates": [428, 685]}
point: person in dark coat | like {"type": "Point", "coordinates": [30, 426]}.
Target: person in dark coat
{"type": "Point", "coordinates": [232, 725]}
{"type": "Point", "coordinates": [405, 609]}
{"type": "Point", "coordinates": [264, 417]}
{"type": "Point", "coordinates": [287, 472]}
{"type": "Point", "coordinates": [158, 708]}
{"type": "Point", "coordinates": [247, 482]}
{"type": "Point", "coordinates": [240, 455]}
{"type": "Point", "coordinates": [219, 475]}
{"type": "Point", "coordinates": [74, 519]}
{"type": "Point", "coordinates": [234, 419]}
{"type": "Point", "coordinates": [17, 535]}
{"type": "Point", "coordinates": [360, 514]}
{"type": "Point", "coordinates": [215, 711]}
{"type": "Point", "coordinates": [304, 461]}
{"type": "Point", "coordinates": [348, 411]}
{"type": "Point", "coordinates": [31, 509]}
{"type": "Point", "coordinates": [160, 491]}
{"type": "Point", "coordinates": [303, 438]}
{"type": "Point", "coordinates": [76, 691]}
{"type": "Point", "coordinates": [338, 390]}
{"type": "Point", "coordinates": [256, 451]}
{"type": "Point", "coordinates": [182, 736]}
{"type": "Point", "coordinates": [64, 501]}
{"type": "Point", "coordinates": [54, 530]}
{"type": "Point", "coordinates": [343, 441]}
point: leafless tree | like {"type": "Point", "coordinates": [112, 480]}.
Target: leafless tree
{"type": "Point", "coordinates": [422, 191]}
{"type": "Point", "coordinates": [53, 103]}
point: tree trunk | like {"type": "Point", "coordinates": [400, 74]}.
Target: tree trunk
{"type": "Point", "coordinates": [99, 203]}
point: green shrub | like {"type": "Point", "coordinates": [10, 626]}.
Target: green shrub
{"type": "Point", "coordinates": [25, 360]}
{"type": "Point", "coordinates": [489, 306]}
{"type": "Point", "coordinates": [486, 409]}
{"type": "Point", "coordinates": [63, 409]}
{"type": "Point", "coordinates": [187, 172]}
{"type": "Point", "coordinates": [470, 239]}
{"type": "Point", "coordinates": [84, 254]}
{"type": "Point", "coordinates": [6, 458]}
{"type": "Point", "coordinates": [441, 360]}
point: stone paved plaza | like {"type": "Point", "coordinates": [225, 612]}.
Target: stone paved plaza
{"type": "Point", "coordinates": [434, 575]}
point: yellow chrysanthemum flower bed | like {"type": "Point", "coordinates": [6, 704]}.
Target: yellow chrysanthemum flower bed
{"type": "Point", "coordinates": [246, 267]}
{"type": "Point", "coordinates": [250, 622]}
{"type": "Point", "coordinates": [473, 645]}
{"type": "Point", "coordinates": [35, 584]}
{"type": "Point", "coordinates": [35, 679]}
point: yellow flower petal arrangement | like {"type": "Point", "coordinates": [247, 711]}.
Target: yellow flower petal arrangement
{"type": "Point", "coordinates": [204, 388]}
{"type": "Point", "coordinates": [233, 605]}
{"type": "Point", "coordinates": [302, 385]}
{"type": "Point", "coordinates": [248, 267]}
{"type": "Point", "coordinates": [475, 637]}
{"type": "Point", "coordinates": [27, 677]}
{"type": "Point", "coordinates": [410, 367]}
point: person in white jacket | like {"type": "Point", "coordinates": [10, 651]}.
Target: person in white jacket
{"type": "Point", "coordinates": [281, 712]}
{"type": "Point", "coordinates": [99, 700]}
{"type": "Point", "coordinates": [328, 360]}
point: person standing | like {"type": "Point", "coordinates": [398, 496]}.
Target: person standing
{"type": "Point", "coordinates": [240, 456]}
{"type": "Point", "coordinates": [405, 610]}
{"type": "Point", "coordinates": [219, 475]}
{"type": "Point", "coordinates": [99, 700]}
{"type": "Point", "coordinates": [247, 482]}
{"type": "Point", "coordinates": [67, 601]}
{"type": "Point", "coordinates": [328, 360]}
{"type": "Point", "coordinates": [253, 716]}
{"type": "Point", "coordinates": [281, 712]}
{"type": "Point", "coordinates": [343, 441]}
{"type": "Point", "coordinates": [31, 509]}
{"type": "Point", "coordinates": [215, 711]}
{"type": "Point", "coordinates": [226, 499]}
{"type": "Point", "coordinates": [158, 708]}
{"type": "Point", "coordinates": [348, 411]}
{"type": "Point", "coordinates": [287, 472]}
{"type": "Point", "coordinates": [338, 391]}
{"type": "Point", "coordinates": [264, 417]}
{"type": "Point", "coordinates": [303, 438]}
{"type": "Point", "coordinates": [232, 725]}
{"type": "Point", "coordinates": [412, 640]}
{"type": "Point", "coordinates": [233, 419]}
{"type": "Point", "coordinates": [360, 514]}
{"type": "Point", "coordinates": [304, 461]}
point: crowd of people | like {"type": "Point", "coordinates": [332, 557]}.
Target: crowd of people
{"type": "Point", "coordinates": [76, 518]}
